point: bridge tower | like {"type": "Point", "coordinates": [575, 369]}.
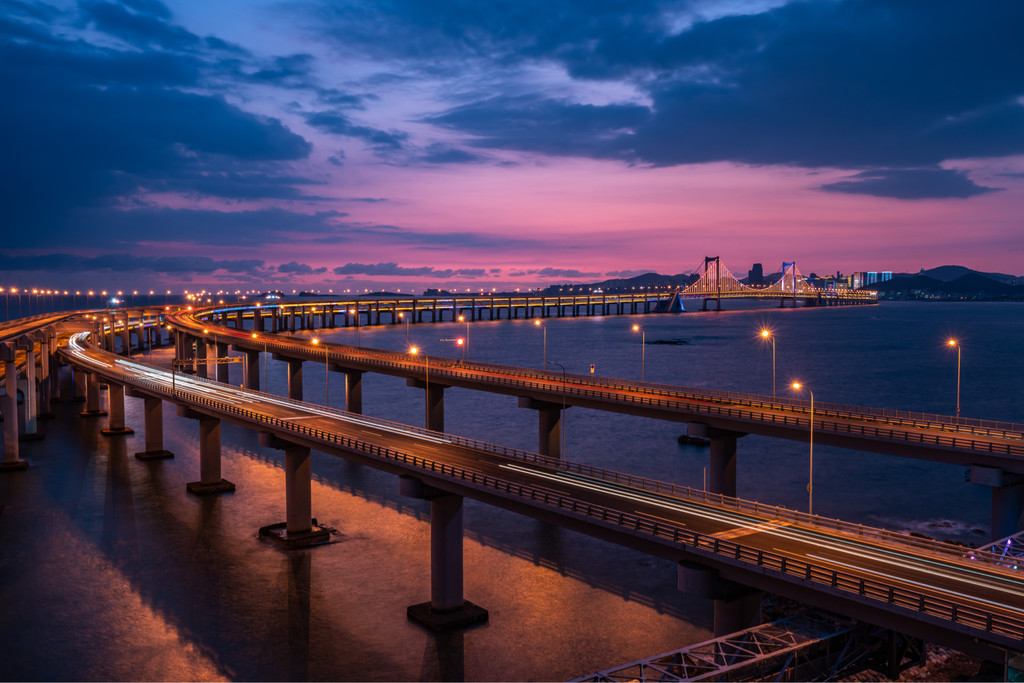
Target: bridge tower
{"type": "Point", "coordinates": [706, 277]}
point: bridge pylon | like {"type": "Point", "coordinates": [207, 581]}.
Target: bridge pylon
{"type": "Point", "coordinates": [717, 261]}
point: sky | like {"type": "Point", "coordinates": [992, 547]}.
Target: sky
{"type": "Point", "coordinates": [479, 145]}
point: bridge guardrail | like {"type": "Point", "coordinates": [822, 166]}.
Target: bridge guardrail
{"type": "Point", "coordinates": [683, 492]}
{"type": "Point", "coordinates": [896, 596]}
{"type": "Point", "coordinates": [999, 429]}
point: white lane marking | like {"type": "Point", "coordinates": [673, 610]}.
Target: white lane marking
{"type": "Point", "coordinates": [792, 535]}
{"type": "Point", "coordinates": [912, 583]}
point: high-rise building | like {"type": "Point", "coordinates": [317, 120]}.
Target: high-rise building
{"type": "Point", "coordinates": [755, 275]}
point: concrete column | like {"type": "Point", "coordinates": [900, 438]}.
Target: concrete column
{"type": "Point", "coordinates": [447, 607]}
{"type": "Point", "coordinates": [298, 484]}
{"type": "Point", "coordinates": [221, 351]}
{"type": "Point", "coordinates": [1007, 511]}
{"type": "Point", "coordinates": [30, 403]}
{"type": "Point", "coordinates": [722, 462]}
{"type": "Point", "coordinates": [115, 399]}
{"type": "Point", "coordinates": [54, 370]}
{"type": "Point", "coordinates": [210, 480]}
{"type": "Point", "coordinates": [45, 385]}
{"type": "Point", "coordinates": [252, 370]}
{"type": "Point", "coordinates": [78, 384]}
{"type": "Point", "coordinates": [202, 369]}
{"type": "Point", "coordinates": [294, 379]}
{"type": "Point", "coordinates": [154, 416]}
{"type": "Point", "coordinates": [549, 433]}
{"type": "Point", "coordinates": [736, 607]}
{"type": "Point", "coordinates": [9, 408]}
{"type": "Point", "coordinates": [126, 337]}
{"type": "Point", "coordinates": [92, 397]}
{"type": "Point", "coordinates": [1007, 499]}
{"type": "Point", "coordinates": [434, 395]}
{"type": "Point", "coordinates": [354, 391]}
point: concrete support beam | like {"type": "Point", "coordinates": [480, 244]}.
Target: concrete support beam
{"type": "Point", "coordinates": [737, 607]}
{"type": "Point", "coordinates": [252, 370]}
{"type": "Point", "coordinates": [221, 351]}
{"type": "Point", "coordinates": [28, 425]}
{"type": "Point", "coordinates": [1007, 499]}
{"type": "Point", "coordinates": [354, 391]}
{"type": "Point", "coordinates": [434, 397]}
{"type": "Point", "coordinates": [78, 385]}
{"type": "Point", "coordinates": [299, 530]}
{"type": "Point", "coordinates": [549, 432]}
{"type": "Point", "coordinates": [92, 397]}
{"type": "Point", "coordinates": [722, 462]}
{"type": "Point", "coordinates": [447, 608]}
{"type": "Point", "coordinates": [294, 379]}
{"type": "Point", "coordinates": [200, 356]}
{"type": "Point", "coordinates": [210, 480]}
{"type": "Point", "coordinates": [9, 408]}
{"type": "Point", "coordinates": [115, 400]}
{"type": "Point", "coordinates": [154, 416]}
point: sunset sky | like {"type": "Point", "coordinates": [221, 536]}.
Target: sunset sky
{"type": "Point", "coordinates": [477, 144]}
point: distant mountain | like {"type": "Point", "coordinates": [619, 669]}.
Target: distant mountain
{"type": "Point", "coordinates": [950, 273]}
{"type": "Point", "coordinates": [971, 286]}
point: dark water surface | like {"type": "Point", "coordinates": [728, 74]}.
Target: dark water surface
{"type": "Point", "coordinates": [109, 570]}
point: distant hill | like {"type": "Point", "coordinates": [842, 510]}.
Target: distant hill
{"type": "Point", "coordinates": [951, 273]}
{"type": "Point", "coordinates": [971, 286]}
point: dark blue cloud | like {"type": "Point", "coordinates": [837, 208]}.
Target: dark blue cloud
{"type": "Point", "coordinates": [395, 270]}
{"type": "Point", "coordinates": [296, 268]}
{"type": "Point", "coordinates": [125, 262]}
{"type": "Point", "coordinates": [146, 28]}
{"type": "Point", "coordinates": [440, 153]}
{"type": "Point", "coordinates": [339, 124]}
{"type": "Point", "coordinates": [910, 183]}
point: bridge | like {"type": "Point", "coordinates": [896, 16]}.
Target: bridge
{"type": "Point", "coordinates": [716, 282]}
{"type": "Point", "coordinates": [719, 542]}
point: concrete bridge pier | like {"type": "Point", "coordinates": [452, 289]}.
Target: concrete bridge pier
{"type": "Point", "coordinates": [448, 608]}
{"type": "Point", "coordinates": [737, 607]}
{"type": "Point", "coordinates": [549, 433]}
{"type": "Point", "coordinates": [299, 530]}
{"type": "Point", "coordinates": [210, 481]}
{"type": "Point", "coordinates": [353, 390]}
{"type": "Point", "coordinates": [294, 376]}
{"type": "Point", "coordinates": [28, 424]}
{"type": "Point", "coordinates": [9, 408]}
{"type": "Point", "coordinates": [78, 385]}
{"type": "Point", "coordinates": [252, 369]}
{"type": "Point", "coordinates": [154, 420]}
{"type": "Point", "coordinates": [45, 384]}
{"type": "Point", "coordinates": [220, 350]}
{"type": "Point", "coordinates": [92, 397]}
{"type": "Point", "coordinates": [434, 397]}
{"type": "Point", "coordinates": [202, 369]}
{"type": "Point", "coordinates": [1007, 499]}
{"type": "Point", "coordinates": [722, 460]}
{"type": "Point", "coordinates": [115, 401]}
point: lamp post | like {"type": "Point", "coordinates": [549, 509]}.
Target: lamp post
{"type": "Point", "coordinates": [537, 323]}
{"type": "Point", "coordinates": [810, 475]}
{"type": "Point", "coordinates": [643, 352]}
{"type": "Point", "coordinates": [465, 348]}
{"type": "Point", "coordinates": [413, 350]}
{"type": "Point", "coordinates": [355, 312]}
{"type": "Point", "coordinates": [327, 375]}
{"type": "Point", "coordinates": [546, 363]}
{"type": "Point", "coordinates": [767, 334]}
{"type": "Point", "coordinates": [400, 316]}
{"type": "Point", "coordinates": [955, 343]}
{"type": "Point", "coordinates": [266, 377]}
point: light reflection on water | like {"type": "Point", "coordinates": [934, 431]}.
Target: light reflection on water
{"type": "Point", "coordinates": [110, 570]}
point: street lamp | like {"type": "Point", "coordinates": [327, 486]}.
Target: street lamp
{"type": "Point", "coordinates": [413, 350]}
{"type": "Point", "coordinates": [537, 323]}
{"type": "Point", "coordinates": [355, 312]}
{"type": "Point", "coordinates": [767, 334]}
{"type": "Point", "coordinates": [810, 475]}
{"type": "Point", "coordinates": [400, 316]}
{"type": "Point", "coordinates": [643, 352]}
{"type": "Point", "coordinates": [955, 343]}
{"type": "Point", "coordinates": [266, 377]}
{"type": "Point", "coordinates": [563, 420]}
{"type": "Point", "coordinates": [327, 375]}
{"type": "Point", "coordinates": [466, 347]}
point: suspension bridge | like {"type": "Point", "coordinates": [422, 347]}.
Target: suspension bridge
{"type": "Point", "coordinates": [716, 282]}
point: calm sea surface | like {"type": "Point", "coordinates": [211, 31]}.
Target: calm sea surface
{"type": "Point", "coordinates": [110, 570]}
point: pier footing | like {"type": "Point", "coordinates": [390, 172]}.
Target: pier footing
{"type": "Point", "coordinates": [442, 620]}
{"type": "Point", "coordinates": [293, 540]}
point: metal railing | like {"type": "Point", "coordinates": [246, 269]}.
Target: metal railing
{"type": "Point", "coordinates": [794, 568]}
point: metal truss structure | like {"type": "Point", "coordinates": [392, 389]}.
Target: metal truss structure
{"type": "Point", "coordinates": [803, 647]}
{"type": "Point", "coordinates": [1009, 550]}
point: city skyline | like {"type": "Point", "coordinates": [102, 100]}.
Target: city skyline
{"type": "Point", "coordinates": [358, 145]}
